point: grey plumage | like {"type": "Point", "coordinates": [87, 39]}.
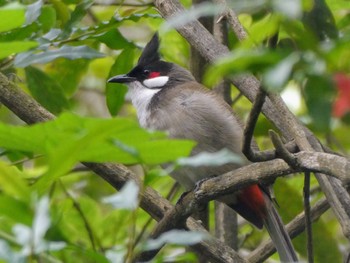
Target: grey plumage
{"type": "Point", "coordinates": [167, 98]}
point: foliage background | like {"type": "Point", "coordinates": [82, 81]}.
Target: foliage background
{"type": "Point", "coordinates": [62, 53]}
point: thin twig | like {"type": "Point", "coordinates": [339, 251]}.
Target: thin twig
{"type": "Point", "coordinates": [247, 150]}
{"type": "Point", "coordinates": [237, 98]}
{"type": "Point", "coordinates": [83, 217]}
{"type": "Point", "coordinates": [233, 20]}
{"type": "Point", "coordinates": [24, 160]}
{"type": "Point", "coordinates": [169, 197]}
{"type": "Point", "coordinates": [122, 3]}
{"type": "Point", "coordinates": [308, 224]}
{"type": "Point", "coordinates": [282, 151]}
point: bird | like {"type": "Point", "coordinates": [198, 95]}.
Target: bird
{"type": "Point", "coordinates": [168, 98]}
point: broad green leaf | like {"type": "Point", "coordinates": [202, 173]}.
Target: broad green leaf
{"type": "Point", "coordinates": [13, 47]}
{"type": "Point", "coordinates": [319, 94]}
{"type": "Point", "coordinates": [126, 198]}
{"type": "Point", "coordinates": [69, 52]}
{"type": "Point", "coordinates": [262, 30]}
{"type": "Point", "coordinates": [241, 60]}
{"type": "Point", "coordinates": [211, 159]}
{"type": "Point", "coordinates": [21, 33]}
{"type": "Point", "coordinates": [114, 40]}
{"type": "Point", "coordinates": [276, 78]}
{"type": "Point", "coordinates": [68, 73]}
{"type": "Point", "coordinates": [47, 18]}
{"type": "Point", "coordinates": [289, 8]}
{"type": "Point", "coordinates": [321, 21]}
{"type": "Point", "coordinates": [41, 221]}
{"type": "Point", "coordinates": [75, 17]}
{"type": "Point", "coordinates": [33, 11]}
{"type": "Point", "coordinates": [115, 92]}
{"type": "Point", "coordinates": [12, 182]}
{"type": "Point", "coordinates": [338, 54]}
{"type": "Point", "coordinates": [11, 18]}
{"type": "Point", "coordinates": [15, 209]}
{"type": "Point", "coordinates": [62, 10]}
{"type": "Point", "coordinates": [23, 236]}
{"type": "Point", "coordinates": [70, 139]}
{"type": "Point", "coordinates": [9, 255]}
{"type": "Point", "coordinates": [178, 237]}
{"type": "Point", "coordinates": [103, 27]}
{"type": "Point", "coordinates": [46, 90]}
{"type": "Point", "coordinates": [170, 150]}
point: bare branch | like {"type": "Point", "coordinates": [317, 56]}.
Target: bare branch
{"type": "Point", "coordinates": [226, 225]}
{"type": "Point", "coordinates": [233, 20]}
{"type": "Point", "coordinates": [308, 225]}
{"type": "Point", "coordinates": [247, 150]}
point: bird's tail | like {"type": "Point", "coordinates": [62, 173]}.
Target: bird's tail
{"type": "Point", "coordinates": [278, 233]}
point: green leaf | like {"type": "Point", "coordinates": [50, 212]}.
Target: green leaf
{"type": "Point", "coordinates": [69, 52]}
{"type": "Point", "coordinates": [68, 73]}
{"type": "Point", "coordinates": [33, 11]}
{"type": "Point", "coordinates": [178, 237]}
{"type": "Point", "coordinates": [70, 139]}
{"type": "Point", "coordinates": [75, 17]}
{"type": "Point", "coordinates": [241, 60]}
{"type": "Point", "coordinates": [17, 210]}
{"type": "Point", "coordinates": [12, 182]}
{"type": "Point", "coordinates": [289, 8]}
{"type": "Point", "coordinates": [46, 90]}
{"type": "Point", "coordinates": [262, 30]}
{"type": "Point", "coordinates": [319, 94]}
{"type": "Point", "coordinates": [114, 40]}
{"type": "Point", "coordinates": [9, 255]}
{"type": "Point", "coordinates": [13, 47]}
{"type": "Point", "coordinates": [211, 159]}
{"type": "Point", "coordinates": [62, 11]}
{"type": "Point", "coordinates": [320, 21]}
{"type": "Point", "coordinates": [21, 33]}
{"type": "Point", "coordinates": [41, 221]}
{"type": "Point", "coordinates": [126, 198]}
{"type": "Point", "coordinates": [11, 18]}
{"type": "Point", "coordinates": [276, 78]}
{"type": "Point", "coordinates": [115, 92]}
{"type": "Point", "coordinates": [47, 18]}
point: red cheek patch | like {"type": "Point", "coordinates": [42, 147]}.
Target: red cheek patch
{"type": "Point", "coordinates": [154, 74]}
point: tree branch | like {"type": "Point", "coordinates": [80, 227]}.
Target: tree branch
{"type": "Point", "coordinates": [307, 212]}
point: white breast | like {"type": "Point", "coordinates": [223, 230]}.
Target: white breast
{"type": "Point", "coordinates": [140, 97]}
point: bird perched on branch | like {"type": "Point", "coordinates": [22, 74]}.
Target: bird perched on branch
{"type": "Point", "coordinates": [168, 98]}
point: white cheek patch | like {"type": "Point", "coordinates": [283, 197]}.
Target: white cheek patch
{"type": "Point", "coordinates": [141, 97]}
{"type": "Point", "coordinates": [156, 82]}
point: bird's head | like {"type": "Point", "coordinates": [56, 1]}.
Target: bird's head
{"type": "Point", "coordinates": [152, 72]}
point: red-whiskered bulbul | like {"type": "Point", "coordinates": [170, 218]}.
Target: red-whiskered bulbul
{"type": "Point", "coordinates": [168, 98]}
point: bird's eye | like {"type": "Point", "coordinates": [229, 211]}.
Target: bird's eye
{"type": "Point", "coordinates": [145, 72]}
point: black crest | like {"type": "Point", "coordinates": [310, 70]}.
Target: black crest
{"type": "Point", "coordinates": [150, 53]}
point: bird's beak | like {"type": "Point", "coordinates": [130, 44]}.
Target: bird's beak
{"type": "Point", "coordinates": [121, 79]}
